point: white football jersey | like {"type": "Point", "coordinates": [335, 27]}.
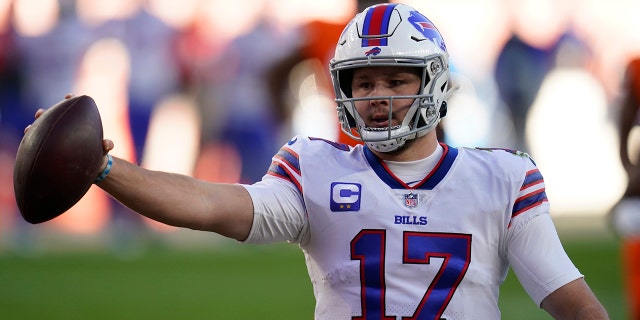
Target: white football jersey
{"type": "Point", "coordinates": [377, 248]}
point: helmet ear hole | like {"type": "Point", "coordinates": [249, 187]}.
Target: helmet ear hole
{"type": "Point", "coordinates": [443, 109]}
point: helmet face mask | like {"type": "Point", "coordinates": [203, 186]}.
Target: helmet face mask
{"type": "Point", "coordinates": [391, 35]}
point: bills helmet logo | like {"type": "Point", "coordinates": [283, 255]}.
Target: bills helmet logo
{"type": "Point", "coordinates": [373, 52]}
{"type": "Point", "coordinates": [426, 27]}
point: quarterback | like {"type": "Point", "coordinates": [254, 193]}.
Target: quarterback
{"type": "Point", "coordinates": [402, 226]}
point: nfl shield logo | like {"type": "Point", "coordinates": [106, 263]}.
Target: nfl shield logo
{"type": "Point", "coordinates": [411, 200]}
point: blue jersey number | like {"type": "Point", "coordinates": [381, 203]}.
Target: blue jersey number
{"type": "Point", "coordinates": [419, 247]}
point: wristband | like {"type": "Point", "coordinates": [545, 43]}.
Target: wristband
{"type": "Point", "coordinates": [106, 170]}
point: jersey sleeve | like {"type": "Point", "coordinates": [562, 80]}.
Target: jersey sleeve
{"type": "Point", "coordinates": [533, 247]}
{"type": "Point", "coordinates": [531, 197]}
{"type": "Point", "coordinates": [538, 258]}
{"type": "Point", "coordinates": [279, 211]}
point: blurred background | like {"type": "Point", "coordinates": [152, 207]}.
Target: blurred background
{"type": "Point", "coordinates": [212, 89]}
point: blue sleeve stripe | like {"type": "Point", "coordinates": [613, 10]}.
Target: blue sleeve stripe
{"type": "Point", "coordinates": [533, 177]}
{"type": "Point", "coordinates": [277, 170]}
{"type": "Point", "coordinates": [290, 158]}
{"type": "Point", "coordinates": [528, 201]}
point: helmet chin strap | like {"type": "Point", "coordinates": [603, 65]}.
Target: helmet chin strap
{"type": "Point", "coordinates": [391, 145]}
{"type": "Point", "coordinates": [377, 138]}
{"type": "Point", "coordinates": [378, 134]}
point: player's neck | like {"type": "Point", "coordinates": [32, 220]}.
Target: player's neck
{"type": "Point", "coordinates": [413, 172]}
{"type": "Point", "coordinates": [415, 149]}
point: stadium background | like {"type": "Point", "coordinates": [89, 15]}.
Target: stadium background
{"type": "Point", "coordinates": [178, 87]}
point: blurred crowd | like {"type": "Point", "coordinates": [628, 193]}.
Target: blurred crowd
{"type": "Point", "coordinates": [212, 88]}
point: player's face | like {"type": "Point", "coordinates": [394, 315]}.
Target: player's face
{"type": "Point", "coordinates": [383, 82]}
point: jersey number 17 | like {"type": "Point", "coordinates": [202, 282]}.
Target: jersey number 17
{"type": "Point", "coordinates": [418, 248]}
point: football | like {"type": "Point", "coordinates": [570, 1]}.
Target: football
{"type": "Point", "coordinates": [58, 159]}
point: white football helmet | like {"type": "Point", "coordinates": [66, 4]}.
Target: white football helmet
{"type": "Point", "coordinates": [392, 35]}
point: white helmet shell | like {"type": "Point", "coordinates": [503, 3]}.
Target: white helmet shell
{"type": "Point", "coordinates": [392, 35]}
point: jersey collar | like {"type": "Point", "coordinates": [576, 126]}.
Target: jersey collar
{"type": "Point", "coordinates": [428, 183]}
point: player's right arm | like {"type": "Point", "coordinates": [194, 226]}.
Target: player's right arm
{"type": "Point", "coordinates": [177, 200]}
{"type": "Point", "coordinates": [180, 200]}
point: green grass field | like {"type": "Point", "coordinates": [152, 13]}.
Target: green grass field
{"type": "Point", "coordinates": [229, 281]}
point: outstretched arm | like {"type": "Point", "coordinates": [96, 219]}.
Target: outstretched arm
{"type": "Point", "coordinates": [180, 200]}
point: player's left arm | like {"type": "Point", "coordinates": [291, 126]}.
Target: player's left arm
{"type": "Point", "coordinates": [574, 300]}
{"type": "Point", "coordinates": [539, 260]}
{"type": "Point", "coordinates": [547, 273]}
{"type": "Point", "coordinates": [534, 250]}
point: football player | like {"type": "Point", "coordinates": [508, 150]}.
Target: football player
{"type": "Point", "coordinates": [401, 226]}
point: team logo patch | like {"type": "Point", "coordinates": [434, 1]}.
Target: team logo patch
{"type": "Point", "coordinates": [411, 200]}
{"type": "Point", "coordinates": [345, 196]}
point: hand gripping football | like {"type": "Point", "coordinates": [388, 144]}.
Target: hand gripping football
{"type": "Point", "coordinates": [58, 159]}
